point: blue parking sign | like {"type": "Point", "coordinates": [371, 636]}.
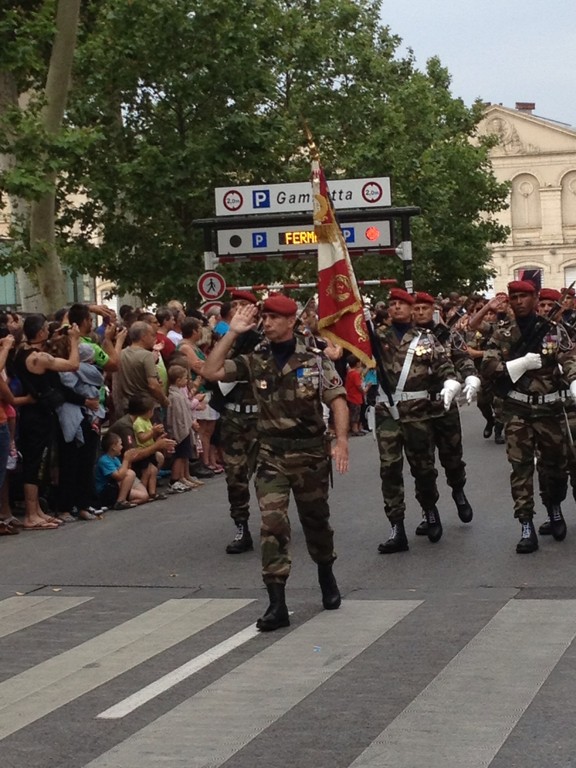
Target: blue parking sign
{"type": "Point", "coordinates": [261, 198]}
{"type": "Point", "coordinates": [259, 239]}
{"type": "Point", "coordinates": [349, 234]}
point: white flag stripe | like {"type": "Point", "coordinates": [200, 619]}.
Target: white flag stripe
{"type": "Point", "coordinates": [17, 613]}
{"type": "Point", "coordinates": [468, 711]}
{"type": "Point", "coordinates": [168, 681]}
{"type": "Point", "coordinates": [35, 693]}
{"type": "Point", "coordinates": [210, 727]}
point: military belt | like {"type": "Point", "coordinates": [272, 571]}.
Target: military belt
{"type": "Point", "coordinates": [292, 443]}
{"type": "Point", "coordinates": [402, 397]}
{"type": "Point", "coordinates": [552, 397]}
{"type": "Point", "coordinates": [239, 408]}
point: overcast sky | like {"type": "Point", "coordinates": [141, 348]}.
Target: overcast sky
{"type": "Point", "coordinates": [502, 52]}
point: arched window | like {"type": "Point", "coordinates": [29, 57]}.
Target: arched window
{"type": "Point", "coordinates": [526, 209]}
{"type": "Point", "coordinates": [534, 274]}
{"type": "Point", "coordinates": [569, 200]}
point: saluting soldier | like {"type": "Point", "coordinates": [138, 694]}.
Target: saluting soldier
{"type": "Point", "coordinates": [239, 417]}
{"type": "Point", "coordinates": [415, 363]}
{"type": "Point", "coordinates": [446, 425]}
{"type": "Point", "coordinates": [528, 371]}
{"type": "Point", "coordinates": [494, 315]}
{"type": "Point", "coordinates": [290, 382]}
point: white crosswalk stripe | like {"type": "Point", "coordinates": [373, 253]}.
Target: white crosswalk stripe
{"type": "Point", "coordinates": [460, 718]}
{"type": "Point", "coordinates": [47, 686]}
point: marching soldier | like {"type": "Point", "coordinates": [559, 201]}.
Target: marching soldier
{"type": "Point", "coordinates": [489, 318]}
{"type": "Point", "coordinates": [239, 417]}
{"type": "Point", "coordinates": [290, 384]}
{"type": "Point", "coordinates": [548, 300]}
{"type": "Point", "coordinates": [525, 366]}
{"type": "Point", "coordinates": [446, 425]}
{"type": "Point", "coordinates": [415, 363]}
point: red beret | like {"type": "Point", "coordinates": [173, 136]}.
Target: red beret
{"type": "Point", "coordinates": [549, 294]}
{"type": "Point", "coordinates": [521, 286]}
{"type": "Point", "coordinates": [423, 298]}
{"type": "Point", "coordinates": [399, 294]}
{"type": "Point", "coordinates": [278, 304]}
{"type": "Point", "coordinates": [244, 296]}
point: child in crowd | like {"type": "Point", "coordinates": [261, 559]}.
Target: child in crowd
{"type": "Point", "coordinates": [179, 421]}
{"type": "Point", "coordinates": [354, 394]}
{"type": "Point", "coordinates": [117, 486]}
{"type": "Point", "coordinates": [147, 469]}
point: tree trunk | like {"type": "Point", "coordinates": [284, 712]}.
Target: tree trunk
{"type": "Point", "coordinates": [49, 277]}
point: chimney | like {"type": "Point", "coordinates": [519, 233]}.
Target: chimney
{"type": "Point", "coordinates": [525, 106]}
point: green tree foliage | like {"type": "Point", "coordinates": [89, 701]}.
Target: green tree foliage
{"type": "Point", "coordinates": [171, 99]}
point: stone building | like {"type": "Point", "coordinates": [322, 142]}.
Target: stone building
{"type": "Point", "coordinates": [537, 156]}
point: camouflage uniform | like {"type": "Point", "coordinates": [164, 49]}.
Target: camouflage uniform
{"type": "Point", "coordinates": [446, 425]}
{"type": "Point", "coordinates": [413, 432]}
{"type": "Point", "coordinates": [239, 417]}
{"type": "Point", "coordinates": [532, 411]}
{"type": "Point", "coordinates": [292, 453]}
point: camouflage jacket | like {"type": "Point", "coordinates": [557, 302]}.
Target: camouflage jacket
{"type": "Point", "coordinates": [430, 367]}
{"type": "Point", "coordinates": [556, 350]}
{"type": "Point", "coordinates": [289, 400]}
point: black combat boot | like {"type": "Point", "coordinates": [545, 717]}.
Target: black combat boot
{"type": "Point", "coordinates": [242, 542]}
{"type": "Point", "coordinates": [546, 528]}
{"type": "Point", "coordinates": [422, 527]}
{"type": "Point", "coordinates": [397, 541]}
{"type": "Point", "coordinates": [498, 436]}
{"type": "Point", "coordinates": [276, 615]}
{"type": "Point", "coordinates": [434, 531]}
{"type": "Point", "coordinates": [488, 429]}
{"type": "Point", "coordinates": [529, 541]}
{"type": "Point", "coordinates": [331, 598]}
{"type": "Point", "coordinates": [557, 522]}
{"type": "Point", "coordinates": [465, 512]}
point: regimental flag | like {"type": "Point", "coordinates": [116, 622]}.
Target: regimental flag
{"type": "Point", "coordinates": [340, 309]}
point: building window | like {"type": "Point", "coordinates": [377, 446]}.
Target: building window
{"type": "Point", "coordinates": [569, 200]}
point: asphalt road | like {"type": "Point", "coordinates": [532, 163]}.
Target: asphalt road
{"type": "Point", "coordinates": [129, 642]}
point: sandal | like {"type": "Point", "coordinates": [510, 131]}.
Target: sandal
{"type": "Point", "coordinates": [124, 505]}
{"type": "Point", "coordinates": [8, 530]}
{"type": "Point", "coordinates": [158, 497]}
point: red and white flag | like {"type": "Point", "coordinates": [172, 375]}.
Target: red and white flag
{"type": "Point", "coordinates": [340, 309]}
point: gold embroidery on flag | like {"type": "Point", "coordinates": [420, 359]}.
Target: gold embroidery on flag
{"type": "Point", "coordinates": [339, 288]}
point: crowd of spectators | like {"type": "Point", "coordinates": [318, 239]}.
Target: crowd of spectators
{"type": "Point", "coordinates": [92, 418]}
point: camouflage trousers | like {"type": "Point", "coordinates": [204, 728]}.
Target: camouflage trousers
{"type": "Point", "coordinates": [306, 474]}
{"type": "Point", "coordinates": [447, 431]}
{"type": "Point", "coordinates": [546, 483]}
{"type": "Point", "coordinates": [238, 434]}
{"type": "Point", "coordinates": [416, 440]}
{"type": "Point", "coordinates": [485, 402]}
{"type": "Point", "coordinates": [531, 431]}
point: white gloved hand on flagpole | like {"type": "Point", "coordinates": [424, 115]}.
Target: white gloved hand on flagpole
{"type": "Point", "coordinates": [367, 314]}
{"type": "Point", "coordinates": [573, 390]}
{"type": "Point", "coordinates": [449, 391]}
{"type": "Point", "coordinates": [471, 388]}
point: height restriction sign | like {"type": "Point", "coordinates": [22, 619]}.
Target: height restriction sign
{"type": "Point", "coordinates": [211, 285]}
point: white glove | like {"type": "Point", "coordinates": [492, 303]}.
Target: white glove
{"type": "Point", "coordinates": [517, 368]}
{"type": "Point", "coordinates": [471, 388]}
{"type": "Point", "coordinates": [367, 314]}
{"type": "Point", "coordinates": [573, 390]}
{"type": "Point", "coordinates": [449, 391]}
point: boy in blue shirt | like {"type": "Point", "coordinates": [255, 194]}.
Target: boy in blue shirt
{"type": "Point", "coordinates": [117, 486]}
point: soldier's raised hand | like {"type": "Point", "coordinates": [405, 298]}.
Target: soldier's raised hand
{"type": "Point", "coordinates": [244, 319]}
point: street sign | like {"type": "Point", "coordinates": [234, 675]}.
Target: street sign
{"type": "Point", "coordinates": [365, 234]}
{"type": "Point", "coordinates": [208, 305]}
{"type": "Point", "coordinates": [211, 285]}
{"type": "Point", "coordinates": [297, 197]}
